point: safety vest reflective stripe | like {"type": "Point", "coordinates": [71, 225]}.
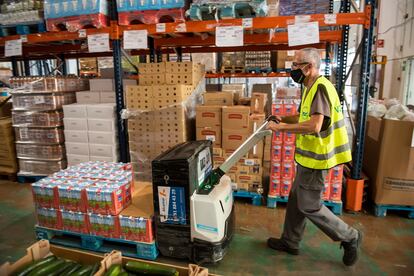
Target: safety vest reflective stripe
{"type": "Point", "coordinates": [329, 130]}
{"type": "Point", "coordinates": [326, 156]}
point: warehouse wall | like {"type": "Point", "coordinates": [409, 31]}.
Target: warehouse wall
{"type": "Point", "coordinates": [398, 42]}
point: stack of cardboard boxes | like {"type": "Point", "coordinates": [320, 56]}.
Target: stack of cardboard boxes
{"type": "Point", "coordinates": [228, 126]}
{"type": "Point", "coordinates": [161, 111]}
{"type": "Point", "coordinates": [8, 162]}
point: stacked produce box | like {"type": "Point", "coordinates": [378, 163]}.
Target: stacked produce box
{"type": "Point", "coordinates": [8, 163]}
{"type": "Point", "coordinates": [233, 62]}
{"type": "Point", "coordinates": [74, 15]}
{"type": "Point", "coordinates": [14, 13]}
{"type": "Point", "coordinates": [228, 126]}
{"type": "Point", "coordinates": [161, 110]}
{"type": "Point", "coordinates": [91, 198]}
{"type": "Point", "coordinates": [282, 151]}
{"type": "Point", "coordinates": [258, 61]}
{"type": "Point", "coordinates": [289, 7]}
{"type": "Point", "coordinates": [38, 119]}
{"type": "Point", "coordinates": [90, 124]}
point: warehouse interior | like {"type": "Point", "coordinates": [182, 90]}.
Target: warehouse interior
{"type": "Point", "coordinates": [205, 137]}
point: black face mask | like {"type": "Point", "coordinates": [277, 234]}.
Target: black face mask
{"type": "Point", "coordinates": [297, 75]}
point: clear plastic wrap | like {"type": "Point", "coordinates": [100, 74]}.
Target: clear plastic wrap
{"type": "Point", "coordinates": [40, 152]}
{"type": "Point", "coordinates": [39, 135]}
{"type": "Point", "coordinates": [48, 84]}
{"type": "Point", "coordinates": [159, 117]}
{"type": "Point", "coordinates": [42, 101]}
{"type": "Point", "coordinates": [37, 118]}
{"type": "Point", "coordinates": [397, 112]}
{"type": "Point", "coordinates": [37, 167]}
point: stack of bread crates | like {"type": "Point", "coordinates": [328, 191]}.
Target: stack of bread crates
{"type": "Point", "coordinates": [228, 119]}
{"type": "Point", "coordinates": [160, 110]}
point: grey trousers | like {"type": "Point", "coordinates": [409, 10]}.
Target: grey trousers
{"type": "Point", "coordinates": [305, 202]}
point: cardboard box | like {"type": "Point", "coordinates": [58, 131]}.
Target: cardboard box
{"type": "Point", "coordinates": [76, 136]}
{"type": "Point", "coordinates": [103, 150]}
{"type": "Point", "coordinates": [257, 151]}
{"type": "Point", "coordinates": [88, 97]}
{"type": "Point", "coordinates": [258, 102]}
{"type": "Point", "coordinates": [232, 139]}
{"type": "Point", "coordinates": [101, 84]}
{"type": "Point", "coordinates": [75, 111]}
{"type": "Point", "coordinates": [236, 117]}
{"type": "Point", "coordinates": [254, 182]}
{"type": "Point", "coordinates": [256, 120]}
{"type": "Point", "coordinates": [232, 176]}
{"type": "Point", "coordinates": [242, 169]}
{"type": "Point", "coordinates": [208, 116]}
{"type": "Point", "coordinates": [285, 186]}
{"type": "Point", "coordinates": [218, 98]}
{"type": "Point", "coordinates": [101, 111]}
{"type": "Point", "coordinates": [107, 125]}
{"type": "Point", "coordinates": [284, 59]}
{"type": "Point", "coordinates": [217, 152]}
{"type": "Point", "coordinates": [274, 186]}
{"type": "Point", "coordinates": [101, 137]}
{"type": "Point", "coordinates": [77, 148]}
{"type": "Point", "coordinates": [75, 124]}
{"type": "Point", "coordinates": [209, 133]}
{"type": "Point", "coordinates": [389, 160]}
{"type": "Point", "coordinates": [74, 159]}
{"type": "Point", "coordinates": [108, 97]}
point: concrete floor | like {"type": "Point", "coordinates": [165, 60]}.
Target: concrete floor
{"type": "Point", "coordinates": [388, 247]}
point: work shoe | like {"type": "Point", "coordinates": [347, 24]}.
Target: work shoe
{"type": "Point", "coordinates": [351, 250]}
{"type": "Point", "coordinates": [280, 245]}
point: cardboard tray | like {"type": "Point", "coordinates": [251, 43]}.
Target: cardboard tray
{"type": "Point", "coordinates": [42, 248]}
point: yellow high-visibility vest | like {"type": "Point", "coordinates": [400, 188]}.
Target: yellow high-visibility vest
{"type": "Point", "coordinates": [327, 148]}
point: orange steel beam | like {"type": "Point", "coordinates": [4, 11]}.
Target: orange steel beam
{"type": "Point", "coordinates": [246, 75]}
{"type": "Point", "coordinates": [256, 39]}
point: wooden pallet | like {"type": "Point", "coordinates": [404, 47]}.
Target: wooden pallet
{"type": "Point", "coordinates": [335, 206]}
{"type": "Point", "coordinates": [10, 176]}
{"type": "Point", "coordinates": [255, 197]}
{"type": "Point", "coordinates": [381, 210]}
{"type": "Point", "coordinates": [133, 249]}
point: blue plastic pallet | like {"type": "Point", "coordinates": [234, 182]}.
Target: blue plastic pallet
{"type": "Point", "coordinates": [133, 249]}
{"type": "Point", "coordinates": [336, 206]}
{"type": "Point", "coordinates": [23, 29]}
{"type": "Point", "coordinates": [256, 198]}
{"type": "Point", "coordinates": [381, 210]}
{"type": "Point", "coordinates": [29, 178]}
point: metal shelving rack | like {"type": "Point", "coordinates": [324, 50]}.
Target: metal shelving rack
{"type": "Point", "coordinates": [198, 37]}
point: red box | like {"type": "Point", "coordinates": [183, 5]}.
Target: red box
{"type": "Point", "coordinates": [288, 170]}
{"type": "Point", "coordinates": [277, 138]}
{"type": "Point", "coordinates": [278, 109]}
{"type": "Point", "coordinates": [136, 229]}
{"type": "Point", "coordinates": [274, 188]}
{"type": "Point", "coordinates": [337, 173]}
{"type": "Point", "coordinates": [45, 195]}
{"type": "Point", "coordinates": [75, 222]}
{"type": "Point", "coordinates": [289, 109]}
{"type": "Point", "coordinates": [276, 169]}
{"type": "Point", "coordinates": [105, 200]}
{"type": "Point", "coordinates": [276, 153]}
{"type": "Point", "coordinates": [336, 191]}
{"type": "Point", "coordinates": [49, 217]}
{"type": "Point", "coordinates": [285, 186]}
{"type": "Point", "coordinates": [288, 153]}
{"type": "Point", "coordinates": [326, 193]}
{"type": "Point", "coordinates": [104, 225]}
{"type": "Point", "coordinates": [72, 198]}
{"type": "Point", "coordinates": [289, 138]}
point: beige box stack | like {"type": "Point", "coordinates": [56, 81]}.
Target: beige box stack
{"type": "Point", "coordinates": [161, 111]}
{"type": "Point", "coordinates": [8, 162]}
{"type": "Point", "coordinates": [228, 126]}
{"type": "Point", "coordinates": [90, 133]}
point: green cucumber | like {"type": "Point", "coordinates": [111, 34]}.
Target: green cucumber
{"type": "Point", "coordinates": [69, 271]}
{"type": "Point", "coordinates": [150, 269]}
{"type": "Point", "coordinates": [123, 273]}
{"type": "Point", "coordinates": [94, 269]}
{"type": "Point", "coordinates": [114, 270]}
{"type": "Point", "coordinates": [60, 270]}
{"type": "Point", "coordinates": [48, 268]}
{"type": "Point", "coordinates": [32, 266]}
{"type": "Point", "coordinates": [85, 270]}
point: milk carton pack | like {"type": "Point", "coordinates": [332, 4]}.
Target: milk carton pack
{"type": "Point", "coordinates": [75, 222]}
{"type": "Point", "coordinates": [103, 225]}
{"type": "Point", "coordinates": [135, 229]}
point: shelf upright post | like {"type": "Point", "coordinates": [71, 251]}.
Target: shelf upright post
{"type": "Point", "coordinates": [15, 69]}
{"type": "Point", "coordinates": [179, 52]}
{"type": "Point", "coordinates": [119, 90]}
{"type": "Point", "coordinates": [328, 47]}
{"type": "Point", "coordinates": [361, 114]}
{"type": "Point", "coordinates": [26, 63]}
{"type": "Point", "coordinates": [152, 52]}
{"type": "Point", "coordinates": [63, 64]}
{"type": "Point", "coordinates": [342, 53]}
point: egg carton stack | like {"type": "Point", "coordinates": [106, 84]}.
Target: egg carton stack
{"type": "Point", "coordinates": [38, 121]}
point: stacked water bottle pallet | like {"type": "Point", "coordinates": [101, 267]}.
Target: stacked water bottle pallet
{"type": "Point", "coordinates": [38, 120]}
{"type": "Point", "coordinates": [75, 15]}
{"type": "Point", "coordinates": [150, 12]}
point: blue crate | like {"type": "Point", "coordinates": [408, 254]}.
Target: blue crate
{"type": "Point", "coordinates": [22, 29]}
{"type": "Point", "coordinates": [255, 197]}
{"type": "Point", "coordinates": [133, 249]}
{"type": "Point", "coordinates": [381, 210]}
{"type": "Point", "coordinates": [29, 178]}
{"type": "Point", "coordinates": [336, 206]}
{"type": "Point", "coordinates": [64, 8]}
